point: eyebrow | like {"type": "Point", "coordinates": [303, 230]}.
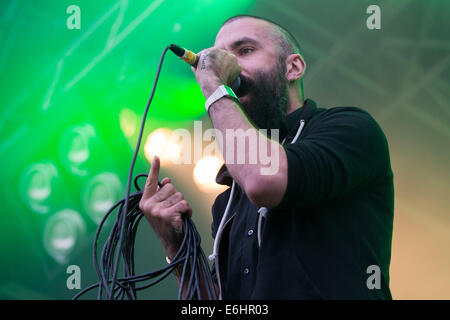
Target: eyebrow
{"type": "Point", "coordinates": [242, 41]}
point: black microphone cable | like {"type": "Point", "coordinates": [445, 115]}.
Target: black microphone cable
{"type": "Point", "coordinates": [120, 243]}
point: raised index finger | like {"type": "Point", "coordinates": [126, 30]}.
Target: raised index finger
{"type": "Point", "coordinates": [152, 180]}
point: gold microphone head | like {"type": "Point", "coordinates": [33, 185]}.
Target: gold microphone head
{"type": "Point", "coordinates": [189, 57]}
{"type": "Point", "coordinates": [184, 54]}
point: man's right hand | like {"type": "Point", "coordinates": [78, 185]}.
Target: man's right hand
{"type": "Point", "coordinates": [163, 207]}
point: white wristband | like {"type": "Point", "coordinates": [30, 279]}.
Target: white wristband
{"type": "Point", "coordinates": [222, 91]}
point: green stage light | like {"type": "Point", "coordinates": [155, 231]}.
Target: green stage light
{"type": "Point", "coordinates": [129, 122]}
{"type": "Point", "coordinates": [100, 193]}
{"type": "Point", "coordinates": [62, 232]}
{"type": "Point", "coordinates": [40, 186]}
{"type": "Point", "coordinates": [75, 148]}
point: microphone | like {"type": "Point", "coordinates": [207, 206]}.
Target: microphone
{"type": "Point", "coordinates": [191, 58]}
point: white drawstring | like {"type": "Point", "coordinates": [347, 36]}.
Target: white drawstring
{"type": "Point", "coordinates": [302, 123]}
{"type": "Point", "coordinates": [262, 213]}
{"type": "Point", "coordinates": [215, 255]}
{"type": "Point", "coordinates": [263, 210]}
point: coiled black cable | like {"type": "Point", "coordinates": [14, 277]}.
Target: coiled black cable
{"type": "Point", "coordinates": [119, 246]}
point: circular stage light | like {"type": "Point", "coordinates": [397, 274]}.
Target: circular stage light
{"type": "Point", "coordinates": [205, 172]}
{"type": "Point", "coordinates": [129, 122]}
{"type": "Point", "coordinates": [62, 233]}
{"type": "Point", "coordinates": [163, 144]}
{"type": "Point", "coordinates": [100, 193]}
{"type": "Point", "coordinates": [39, 186]}
{"type": "Point", "coordinates": [75, 148]}
{"type": "Point", "coordinates": [176, 27]}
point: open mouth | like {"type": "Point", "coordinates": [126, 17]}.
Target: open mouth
{"type": "Point", "coordinates": [244, 88]}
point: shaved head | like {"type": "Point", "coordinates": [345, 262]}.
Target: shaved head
{"type": "Point", "coordinates": [286, 41]}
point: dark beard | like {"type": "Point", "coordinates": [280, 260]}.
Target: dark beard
{"type": "Point", "coordinates": [269, 99]}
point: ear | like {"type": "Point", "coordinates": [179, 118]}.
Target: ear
{"type": "Point", "coordinates": [295, 67]}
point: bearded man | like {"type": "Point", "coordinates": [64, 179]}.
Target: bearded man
{"type": "Point", "coordinates": [320, 226]}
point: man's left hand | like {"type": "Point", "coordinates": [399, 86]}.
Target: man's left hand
{"type": "Point", "coordinates": [215, 68]}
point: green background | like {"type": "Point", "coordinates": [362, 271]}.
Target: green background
{"type": "Point", "coordinates": [69, 97]}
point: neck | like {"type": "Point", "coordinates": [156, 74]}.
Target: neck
{"type": "Point", "coordinates": [296, 99]}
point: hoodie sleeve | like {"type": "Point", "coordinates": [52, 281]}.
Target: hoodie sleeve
{"type": "Point", "coordinates": [341, 151]}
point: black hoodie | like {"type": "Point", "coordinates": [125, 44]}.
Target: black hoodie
{"type": "Point", "coordinates": [330, 237]}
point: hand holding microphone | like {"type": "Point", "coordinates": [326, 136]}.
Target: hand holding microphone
{"type": "Point", "coordinates": [212, 67]}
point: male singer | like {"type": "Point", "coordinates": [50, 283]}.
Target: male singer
{"type": "Point", "coordinates": [320, 227]}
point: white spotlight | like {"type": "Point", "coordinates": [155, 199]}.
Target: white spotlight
{"type": "Point", "coordinates": [161, 143]}
{"type": "Point", "coordinates": [205, 172]}
{"type": "Point", "coordinates": [62, 233]}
